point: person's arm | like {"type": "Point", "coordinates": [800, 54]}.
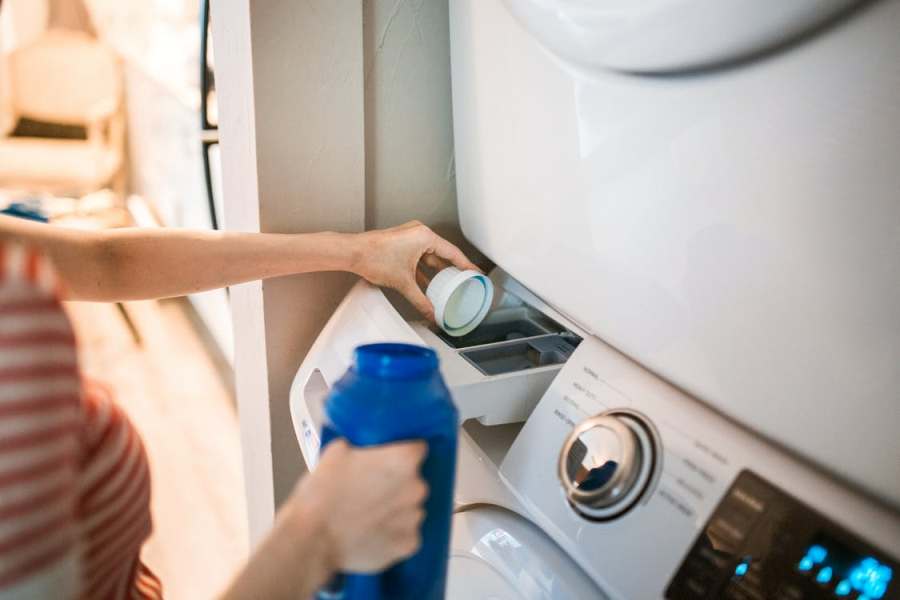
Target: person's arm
{"type": "Point", "coordinates": [132, 263]}
{"type": "Point", "coordinates": [359, 511]}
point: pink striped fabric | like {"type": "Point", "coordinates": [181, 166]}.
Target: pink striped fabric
{"type": "Point", "coordinates": [74, 481]}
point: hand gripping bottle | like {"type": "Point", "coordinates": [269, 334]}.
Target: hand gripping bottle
{"type": "Point", "coordinates": [394, 392]}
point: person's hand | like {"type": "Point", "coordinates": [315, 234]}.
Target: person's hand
{"type": "Point", "coordinates": [366, 504]}
{"type": "Point", "coordinates": [391, 257]}
{"type": "Point", "coordinates": [359, 511]}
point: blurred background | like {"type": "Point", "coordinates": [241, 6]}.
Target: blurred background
{"type": "Point", "coordinates": [108, 119]}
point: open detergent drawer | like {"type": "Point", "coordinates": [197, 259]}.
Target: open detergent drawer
{"type": "Point", "coordinates": [496, 374]}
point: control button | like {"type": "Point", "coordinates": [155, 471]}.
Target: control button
{"type": "Point", "coordinates": [789, 592]}
{"type": "Point", "coordinates": [713, 557]}
{"type": "Point", "coordinates": [753, 578]}
{"type": "Point", "coordinates": [870, 578]}
{"type": "Point", "coordinates": [748, 499]}
{"type": "Point", "coordinates": [698, 568]}
{"type": "Point", "coordinates": [728, 530]}
{"type": "Point", "coordinates": [843, 588]}
{"type": "Point", "coordinates": [824, 575]}
{"type": "Point", "coordinates": [699, 587]}
{"type": "Point", "coordinates": [782, 538]}
{"type": "Point", "coordinates": [817, 553]}
{"type": "Point", "coordinates": [805, 564]}
{"type": "Point", "coordinates": [697, 579]}
{"type": "Point", "coordinates": [606, 463]}
{"type": "Point", "coordinates": [738, 593]}
{"type": "Point", "coordinates": [740, 588]}
{"type": "Point", "coordinates": [741, 569]}
{"type": "Point", "coordinates": [752, 492]}
{"type": "Point", "coordinates": [601, 462]}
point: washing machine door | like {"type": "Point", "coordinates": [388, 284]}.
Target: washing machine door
{"type": "Point", "coordinates": [664, 36]}
{"type": "Point", "coordinates": [498, 555]}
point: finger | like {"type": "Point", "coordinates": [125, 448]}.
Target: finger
{"type": "Point", "coordinates": [448, 251]}
{"type": "Point", "coordinates": [401, 458]}
{"type": "Point", "coordinates": [418, 492]}
{"type": "Point", "coordinates": [422, 279]}
{"type": "Point", "coordinates": [335, 449]}
{"type": "Point", "coordinates": [418, 299]}
{"type": "Point", "coordinates": [408, 544]}
{"type": "Point", "coordinates": [435, 262]}
{"type": "Point", "coordinates": [418, 518]}
{"type": "Point", "coordinates": [414, 450]}
{"type": "Point", "coordinates": [405, 523]}
{"type": "Point", "coordinates": [413, 494]}
{"type": "Point", "coordinates": [411, 224]}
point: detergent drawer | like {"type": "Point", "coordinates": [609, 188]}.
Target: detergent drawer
{"type": "Point", "coordinates": [496, 374]}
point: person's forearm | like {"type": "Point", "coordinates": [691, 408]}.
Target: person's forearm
{"type": "Point", "coordinates": [131, 264]}
{"type": "Point", "coordinates": [159, 263]}
{"type": "Point", "coordinates": [291, 562]}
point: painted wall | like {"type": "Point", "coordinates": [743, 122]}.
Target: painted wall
{"type": "Point", "coordinates": [409, 128]}
{"type": "Point", "coordinates": [290, 83]}
{"type": "Point", "coordinates": [334, 114]}
{"type": "Point", "coordinates": [409, 138]}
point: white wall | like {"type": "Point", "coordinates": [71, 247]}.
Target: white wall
{"type": "Point", "coordinates": [335, 114]}
{"type": "Point", "coordinates": [410, 171]}
{"type": "Point", "coordinates": [409, 137]}
{"type": "Point", "coordinates": [289, 77]}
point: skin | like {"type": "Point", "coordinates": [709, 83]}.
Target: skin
{"type": "Point", "coordinates": [360, 510]}
{"type": "Point", "coordinates": [132, 263]}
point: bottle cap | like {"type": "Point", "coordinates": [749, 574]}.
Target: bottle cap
{"type": "Point", "coordinates": [461, 299]}
{"type": "Point", "coordinates": [394, 361]}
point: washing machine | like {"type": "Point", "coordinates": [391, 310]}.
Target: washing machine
{"type": "Point", "coordinates": [689, 383]}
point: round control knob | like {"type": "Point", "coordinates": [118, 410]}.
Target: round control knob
{"type": "Point", "coordinates": [606, 463]}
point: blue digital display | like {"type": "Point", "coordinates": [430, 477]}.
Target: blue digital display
{"type": "Point", "coordinates": [817, 553]}
{"type": "Point", "coordinates": [824, 575]}
{"type": "Point", "coordinates": [846, 573]}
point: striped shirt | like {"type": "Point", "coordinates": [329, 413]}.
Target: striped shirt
{"type": "Point", "coordinates": [74, 479]}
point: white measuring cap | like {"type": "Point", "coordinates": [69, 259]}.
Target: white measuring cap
{"type": "Point", "coordinates": [461, 299]}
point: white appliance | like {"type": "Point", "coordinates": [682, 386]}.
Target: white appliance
{"type": "Point", "coordinates": [690, 387]}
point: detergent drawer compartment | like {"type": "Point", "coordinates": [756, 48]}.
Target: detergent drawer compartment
{"type": "Point", "coordinates": [498, 372]}
{"type": "Point", "coordinates": [504, 325]}
{"type": "Point", "coordinates": [542, 351]}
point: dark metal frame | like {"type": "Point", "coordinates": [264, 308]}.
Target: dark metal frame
{"type": "Point", "coordinates": [209, 131]}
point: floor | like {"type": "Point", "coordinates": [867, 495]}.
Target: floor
{"type": "Point", "coordinates": [179, 397]}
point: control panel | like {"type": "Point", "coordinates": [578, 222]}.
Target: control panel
{"type": "Point", "coordinates": [630, 475]}
{"type": "Point", "coordinates": [762, 544]}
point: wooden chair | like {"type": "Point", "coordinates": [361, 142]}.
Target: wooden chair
{"type": "Point", "coordinates": [65, 78]}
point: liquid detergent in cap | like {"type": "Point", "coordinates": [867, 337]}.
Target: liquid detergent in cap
{"type": "Point", "coordinates": [395, 392]}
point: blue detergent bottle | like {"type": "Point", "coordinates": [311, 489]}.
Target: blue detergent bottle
{"type": "Point", "coordinates": [395, 392]}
